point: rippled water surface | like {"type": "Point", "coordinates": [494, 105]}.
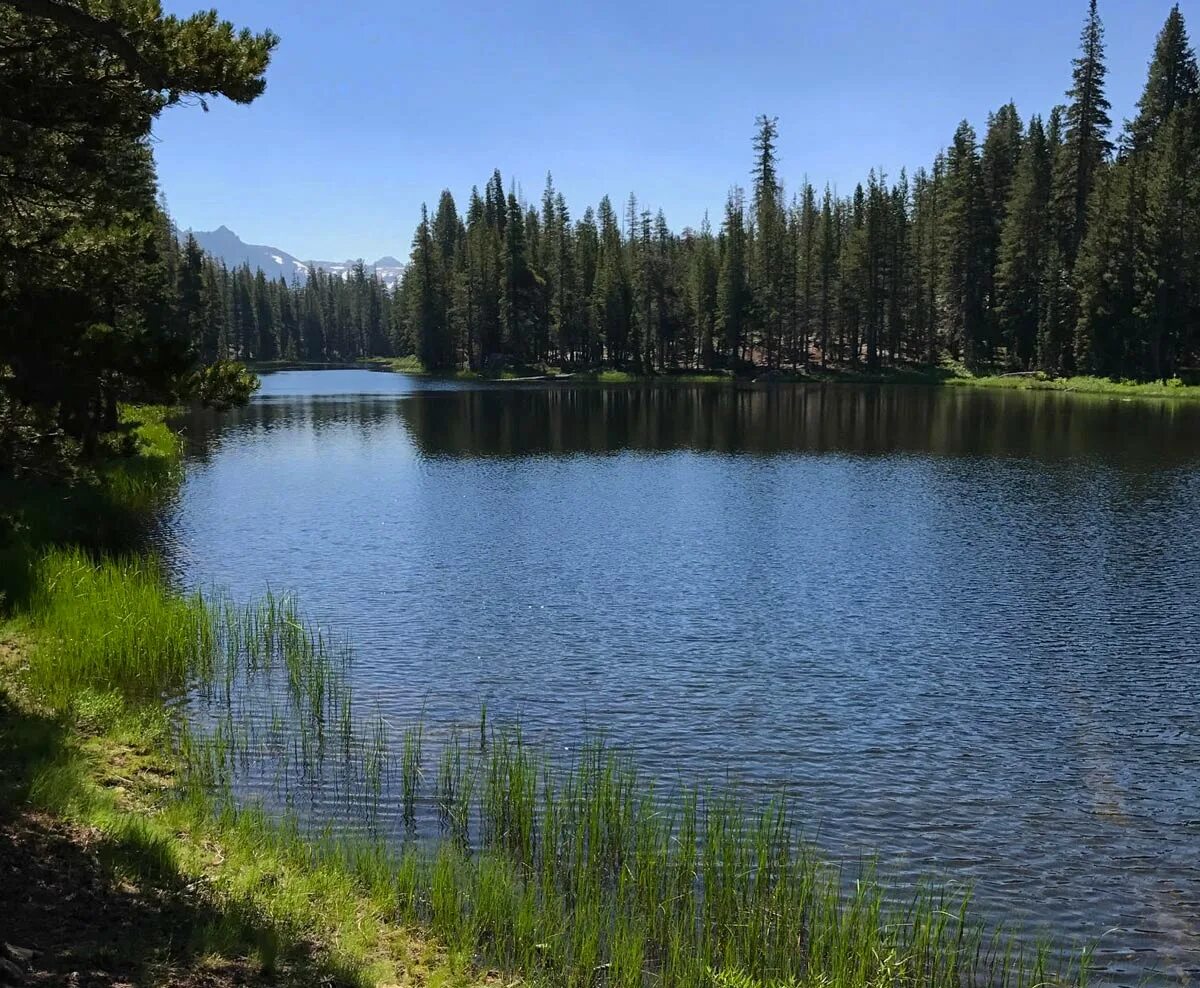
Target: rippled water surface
{"type": "Point", "coordinates": [959, 627]}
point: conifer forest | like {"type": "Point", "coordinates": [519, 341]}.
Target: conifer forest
{"type": "Point", "coordinates": [1057, 239]}
{"type": "Point", "coordinates": [1054, 240]}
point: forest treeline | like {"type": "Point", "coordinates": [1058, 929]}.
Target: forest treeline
{"type": "Point", "coordinates": [1058, 242]}
{"type": "Point", "coordinates": [1040, 245]}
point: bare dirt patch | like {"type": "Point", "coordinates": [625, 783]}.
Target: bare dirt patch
{"type": "Point", "coordinates": [92, 926]}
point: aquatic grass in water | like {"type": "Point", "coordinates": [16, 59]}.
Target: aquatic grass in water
{"type": "Point", "coordinates": [411, 772]}
{"type": "Point", "coordinates": [256, 689]}
{"type": "Point", "coordinates": [582, 872]}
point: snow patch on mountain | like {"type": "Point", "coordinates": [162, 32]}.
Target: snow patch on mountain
{"type": "Point", "coordinates": [225, 245]}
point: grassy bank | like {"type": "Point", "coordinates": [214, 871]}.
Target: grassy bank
{"type": "Point", "coordinates": [96, 775]}
{"type": "Point", "coordinates": [948, 375]}
{"type": "Point", "coordinates": [1174, 388]}
{"type": "Point", "coordinates": [550, 373]}
{"type": "Point", "coordinates": [143, 714]}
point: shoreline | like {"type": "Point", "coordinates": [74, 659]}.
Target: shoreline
{"type": "Point", "coordinates": [936, 377]}
{"type": "Point", "coordinates": [107, 830]}
{"type": "Point", "coordinates": [720, 894]}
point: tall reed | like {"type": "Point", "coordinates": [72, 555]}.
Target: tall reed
{"type": "Point", "coordinates": [582, 873]}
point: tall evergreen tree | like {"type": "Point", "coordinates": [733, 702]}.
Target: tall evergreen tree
{"type": "Point", "coordinates": [767, 260]}
{"type": "Point", "coordinates": [1022, 252]}
{"type": "Point", "coordinates": [705, 275]}
{"type": "Point", "coordinates": [88, 293]}
{"type": "Point", "coordinates": [733, 293]}
{"type": "Point", "coordinates": [1173, 81]}
{"type": "Point", "coordinates": [964, 325]}
{"type": "Point", "coordinates": [827, 276]}
{"type": "Point", "coordinates": [1086, 143]}
{"type": "Point", "coordinates": [587, 262]}
{"type": "Point", "coordinates": [428, 297]}
{"type": "Point", "coordinates": [807, 271]}
{"type": "Point", "coordinates": [518, 296]}
{"type": "Point", "coordinates": [997, 169]}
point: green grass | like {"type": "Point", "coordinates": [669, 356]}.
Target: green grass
{"type": "Point", "coordinates": [412, 365]}
{"type": "Point", "coordinates": [951, 374]}
{"type": "Point", "coordinates": [948, 375]}
{"type": "Point", "coordinates": [103, 506]}
{"type": "Point", "coordinates": [268, 892]}
{"type": "Point", "coordinates": [94, 653]}
{"type": "Point", "coordinates": [584, 874]}
{"type": "Point", "coordinates": [108, 622]}
{"type": "Point", "coordinates": [1174, 388]}
{"type": "Point", "coordinates": [408, 365]}
{"type": "Point", "coordinates": [613, 376]}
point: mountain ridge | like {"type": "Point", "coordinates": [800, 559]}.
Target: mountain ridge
{"type": "Point", "coordinates": [225, 245]}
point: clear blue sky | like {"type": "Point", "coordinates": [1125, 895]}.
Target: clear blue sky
{"type": "Point", "coordinates": [374, 106]}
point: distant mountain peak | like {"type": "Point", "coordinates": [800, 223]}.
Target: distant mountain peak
{"type": "Point", "coordinates": [225, 245]}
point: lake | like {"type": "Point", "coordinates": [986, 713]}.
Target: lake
{"type": "Point", "coordinates": [957, 626]}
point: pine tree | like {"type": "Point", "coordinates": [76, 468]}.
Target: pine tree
{"type": "Point", "coordinates": [289, 326]}
{"type": "Point", "coordinates": [962, 247]}
{"type": "Point", "coordinates": [192, 299]}
{"type": "Point", "coordinates": [1168, 279]}
{"type": "Point", "coordinates": [767, 257]}
{"type": "Point", "coordinates": [1022, 252]}
{"type": "Point", "coordinates": [312, 320]}
{"type": "Point", "coordinates": [827, 276]}
{"type": "Point", "coordinates": [997, 169]}
{"type": "Point", "coordinates": [1085, 142]}
{"type": "Point", "coordinates": [612, 295]}
{"type": "Point", "coordinates": [1108, 329]}
{"type": "Point", "coordinates": [90, 285]}
{"type": "Point", "coordinates": [874, 259]}
{"type": "Point", "coordinates": [495, 203]}
{"type": "Point", "coordinates": [587, 261]}
{"type": "Point", "coordinates": [807, 271]}
{"type": "Point", "coordinates": [518, 287]}
{"type": "Point", "coordinates": [266, 319]}
{"type": "Point", "coordinates": [733, 294]}
{"type": "Point", "coordinates": [704, 279]}
{"type": "Point", "coordinates": [1056, 318]}
{"type": "Point", "coordinates": [899, 284]}
{"type": "Point", "coordinates": [428, 297]}
{"type": "Point", "coordinates": [1173, 82]}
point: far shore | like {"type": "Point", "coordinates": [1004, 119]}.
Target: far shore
{"type": "Point", "coordinates": [943, 376]}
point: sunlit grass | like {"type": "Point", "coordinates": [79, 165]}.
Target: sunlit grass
{"type": "Point", "coordinates": [109, 622]}
{"type": "Point", "coordinates": [1173, 388]}
{"type": "Point", "coordinates": [554, 870]}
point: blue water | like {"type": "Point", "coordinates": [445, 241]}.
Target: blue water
{"type": "Point", "coordinates": [959, 627]}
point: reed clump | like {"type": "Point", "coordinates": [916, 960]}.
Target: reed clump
{"type": "Point", "coordinates": [581, 872]}
{"type": "Point", "coordinates": [109, 622]}
{"type": "Point", "coordinates": [584, 874]}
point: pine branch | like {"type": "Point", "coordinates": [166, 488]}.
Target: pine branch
{"type": "Point", "coordinates": [106, 32]}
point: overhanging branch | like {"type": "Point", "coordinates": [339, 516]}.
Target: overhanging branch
{"type": "Point", "coordinates": [110, 35]}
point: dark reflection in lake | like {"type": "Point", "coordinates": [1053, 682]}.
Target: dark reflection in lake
{"type": "Point", "coordinates": [958, 626]}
